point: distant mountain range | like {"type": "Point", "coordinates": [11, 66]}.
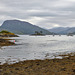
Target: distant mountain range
{"type": "Point", "coordinates": [63, 30]}
{"type": "Point", "coordinates": [21, 27]}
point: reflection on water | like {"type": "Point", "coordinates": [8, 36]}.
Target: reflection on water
{"type": "Point", "coordinates": [37, 47]}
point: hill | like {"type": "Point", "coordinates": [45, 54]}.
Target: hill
{"type": "Point", "coordinates": [21, 27]}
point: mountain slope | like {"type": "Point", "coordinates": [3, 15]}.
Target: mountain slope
{"type": "Point", "coordinates": [21, 27]}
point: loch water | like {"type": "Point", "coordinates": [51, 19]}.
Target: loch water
{"type": "Point", "coordinates": [37, 47]}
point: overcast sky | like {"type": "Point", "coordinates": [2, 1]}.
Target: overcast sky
{"type": "Point", "coordinates": [43, 13]}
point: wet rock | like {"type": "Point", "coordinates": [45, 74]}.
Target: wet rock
{"type": "Point", "coordinates": [16, 68]}
{"type": "Point", "coordinates": [6, 74]}
{"type": "Point", "coordinates": [63, 69]}
{"type": "Point", "coordinates": [1, 70]}
{"type": "Point", "coordinates": [74, 70]}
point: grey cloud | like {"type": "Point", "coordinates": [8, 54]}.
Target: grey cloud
{"type": "Point", "coordinates": [48, 13]}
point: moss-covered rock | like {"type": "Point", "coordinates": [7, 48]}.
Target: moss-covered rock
{"type": "Point", "coordinates": [5, 33]}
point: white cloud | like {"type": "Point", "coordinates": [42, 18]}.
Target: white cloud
{"type": "Point", "coordinates": [35, 20]}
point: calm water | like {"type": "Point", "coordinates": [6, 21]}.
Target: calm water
{"type": "Point", "coordinates": [37, 47]}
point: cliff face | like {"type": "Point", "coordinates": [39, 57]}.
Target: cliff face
{"type": "Point", "coordinates": [21, 27]}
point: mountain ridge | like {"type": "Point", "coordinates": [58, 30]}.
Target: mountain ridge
{"type": "Point", "coordinates": [62, 30]}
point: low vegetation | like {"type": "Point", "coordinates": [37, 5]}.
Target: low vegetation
{"type": "Point", "coordinates": [38, 33]}
{"type": "Point", "coordinates": [5, 33]}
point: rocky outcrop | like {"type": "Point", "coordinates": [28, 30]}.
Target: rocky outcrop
{"type": "Point", "coordinates": [4, 42]}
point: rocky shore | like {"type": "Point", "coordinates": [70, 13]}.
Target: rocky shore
{"type": "Point", "coordinates": [65, 66]}
{"type": "Point", "coordinates": [5, 33]}
{"type": "Point", "coordinates": [8, 36]}
{"type": "Point", "coordinates": [4, 42]}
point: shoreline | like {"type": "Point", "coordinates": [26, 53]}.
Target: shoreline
{"type": "Point", "coordinates": [5, 42]}
{"type": "Point", "coordinates": [65, 66]}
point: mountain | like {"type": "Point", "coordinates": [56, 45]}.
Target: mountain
{"type": "Point", "coordinates": [58, 30]}
{"type": "Point", "coordinates": [62, 30]}
{"type": "Point", "coordinates": [73, 33]}
{"type": "Point", "coordinates": [21, 27]}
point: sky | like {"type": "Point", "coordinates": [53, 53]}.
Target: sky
{"type": "Point", "coordinates": [43, 13]}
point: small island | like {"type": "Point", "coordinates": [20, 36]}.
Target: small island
{"type": "Point", "coordinates": [38, 33]}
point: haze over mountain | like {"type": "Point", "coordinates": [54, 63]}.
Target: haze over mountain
{"type": "Point", "coordinates": [21, 27]}
{"type": "Point", "coordinates": [62, 30]}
